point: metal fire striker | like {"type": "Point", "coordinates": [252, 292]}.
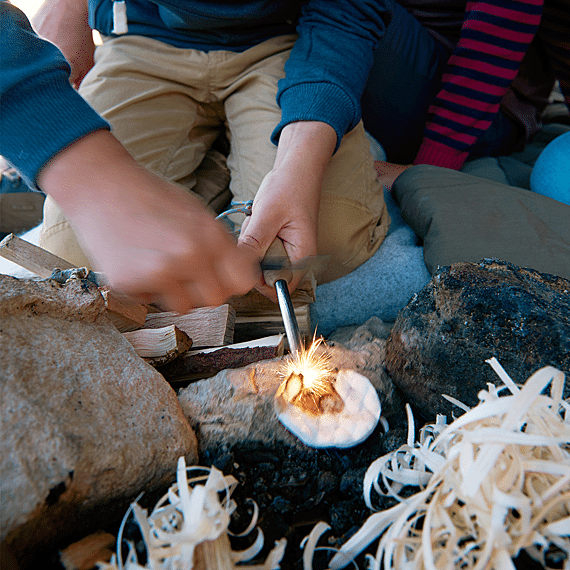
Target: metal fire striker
{"type": "Point", "coordinates": [289, 318]}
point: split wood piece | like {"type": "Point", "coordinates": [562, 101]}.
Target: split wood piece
{"type": "Point", "coordinates": [84, 554]}
{"type": "Point", "coordinates": [198, 364]}
{"type": "Point", "coordinates": [159, 346]}
{"type": "Point", "coordinates": [255, 304]}
{"type": "Point", "coordinates": [206, 326]}
{"type": "Point", "coordinates": [125, 314]}
{"type": "Point", "coordinates": [270, 323]}
{"type": "Point", "coordinates": [258, 316]}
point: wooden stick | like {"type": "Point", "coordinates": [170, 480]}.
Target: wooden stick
{"type": "Point", "coordinates": [196, 364]}
{"type": "Point", "coordinates": [31, 257]}
{"type": "Point", "coordinates": [276, 341]}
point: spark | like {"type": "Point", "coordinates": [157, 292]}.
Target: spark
{"type": "Point", "coordinates": [309, 380]}
{"type": "Point", "coordinates": [314, 368]}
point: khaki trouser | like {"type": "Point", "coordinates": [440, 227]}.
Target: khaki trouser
{"type": "Point", "coordinates": [168, 106]}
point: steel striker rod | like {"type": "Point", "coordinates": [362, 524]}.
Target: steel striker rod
{"type": "Point", "coordinates": [289, 318]}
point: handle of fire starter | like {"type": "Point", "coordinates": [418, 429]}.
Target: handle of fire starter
{"type": "Point", "coordinates": [277, 251]}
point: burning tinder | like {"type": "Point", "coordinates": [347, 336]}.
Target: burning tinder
{"type": "Point", "coordinates": [322, 406]}
{"type": "Point", "coordinates": [309, 382]}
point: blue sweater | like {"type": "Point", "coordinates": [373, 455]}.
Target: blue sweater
{"type": "Point", "coordinates": [40, 114]}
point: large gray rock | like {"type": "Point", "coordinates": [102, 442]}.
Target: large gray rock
{"type": "Point", "coordinates": [235, 406]}
{"type": "Point", "coordinates": [86, 423]}
{"type": "Point", "coordinates": [467, 314]}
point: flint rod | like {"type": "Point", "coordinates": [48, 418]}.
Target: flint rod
{"type": "Point", "coordinates": [289, 318]}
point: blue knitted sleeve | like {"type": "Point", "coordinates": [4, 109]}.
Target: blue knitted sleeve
{"type": "Point", "coordinates": [329, 64]}
{"type": "Point", "coordinates": [40, 112]}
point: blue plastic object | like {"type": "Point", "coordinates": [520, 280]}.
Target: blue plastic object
{"type": "Point", "coordinates": [551, 173]}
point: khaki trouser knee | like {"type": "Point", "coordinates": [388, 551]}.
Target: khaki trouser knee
{"type": "Point", "coordinates": [353, 219]}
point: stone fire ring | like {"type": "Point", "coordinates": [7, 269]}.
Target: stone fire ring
{"type": "Point", "coordinates": [347, 428]}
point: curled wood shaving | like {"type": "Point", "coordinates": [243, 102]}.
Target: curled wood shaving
{"type": "Point", "coordinates": [190, 515]}
{"type": "Point", "coordinates": [492, 483]}
{"type": "Point", "coordinates": [309, 546]}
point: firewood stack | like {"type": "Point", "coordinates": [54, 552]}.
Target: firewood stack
{"type": "Point", "coordinates": [182, 347]}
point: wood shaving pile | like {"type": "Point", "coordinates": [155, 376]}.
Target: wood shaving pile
{"type": "Point", "coordinates": [492, 483]}
{"type": "Point", "coordinates": [188, 528]}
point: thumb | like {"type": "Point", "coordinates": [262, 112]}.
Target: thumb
{"type": "Point", "coordinates": [253, 239]}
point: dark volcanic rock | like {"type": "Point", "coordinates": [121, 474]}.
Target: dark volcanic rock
{"type": "Point", "coordinates": [469, 313]}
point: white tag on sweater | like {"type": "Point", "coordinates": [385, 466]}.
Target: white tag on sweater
{"type": "Point", "coordinates": [120, 25]}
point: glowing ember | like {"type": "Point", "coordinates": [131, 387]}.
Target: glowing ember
{"type": "Point", "coordinates": [309, 382]}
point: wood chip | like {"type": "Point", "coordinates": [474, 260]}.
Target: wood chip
{"type": "Point", "coordinates": [84, 554]}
